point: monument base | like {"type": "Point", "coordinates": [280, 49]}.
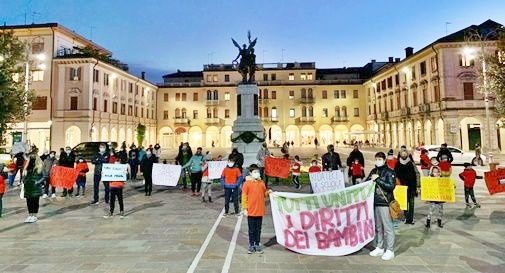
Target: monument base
{"type": "Point", "coordinates": [248, 131]}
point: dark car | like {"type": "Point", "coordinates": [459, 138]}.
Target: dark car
{"type": "Point", "coordinates": [88, 149]}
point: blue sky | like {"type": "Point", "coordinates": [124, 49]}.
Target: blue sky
{"type": "Point", "coordinates": [162, 36]}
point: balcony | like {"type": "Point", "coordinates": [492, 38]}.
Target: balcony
{"type": "Point", "coordinates": [309, 100]}
{"type": "Point", "coordinates": [465, 104]}
{"type": "Point", "coordinates": [372, 117]}
{"type": "Point", "coordinates": [384, 116]}
{"type": "Point", "coordinates": [211, 102]}
{"type": "Point", "coordinates": [405, 112]}
{"type": "Point", "coordinates": [339, 119]}
{"type": "Point", "coordinates": [304, 120]}
{"type": "Point", "coordinates": [424, 108]}
{"type": "Point", "coordinates": [213, 121]}
{"type": "Point", "coordinates": [264, 100]}
{"type": "Point", "coordinates": [181, 121]}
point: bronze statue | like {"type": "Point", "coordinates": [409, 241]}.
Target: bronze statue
{"type": "Point", "coordinates": [247, 64]}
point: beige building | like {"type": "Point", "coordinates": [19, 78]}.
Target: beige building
{"type": "Point", "coordinates": [435, 96]}
{"type": "Point", "coordinates": [297, 102]}
{"type": "Point", "coordinates": [79, 98]}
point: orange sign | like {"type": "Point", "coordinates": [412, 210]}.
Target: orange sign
{"type": "Point", "coordinates": [277, 167]}
{"type": "Point", "coordinates": [63, 177]}
{"type": "Point", "coordinates": [495, 181]}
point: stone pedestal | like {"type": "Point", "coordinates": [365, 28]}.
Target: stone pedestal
{"type": "Point", "coordinates": [248, 125]}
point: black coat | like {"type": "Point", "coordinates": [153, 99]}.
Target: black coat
{"type": "Point", "coordinates": [238, 158]}
{"type": "Point", "coordinates": [67, 160]}
{"type": "Point", "coordinates": [331, 161]}
{"type": "Point", "coordinates": [386, 183]}
{"type": "Point", "coordinates": [444, 151]}
{"type": "Point", "coordinates": [123, 156]}
{"type": "Point", "coordinates": [407, 175]}
{"type": "Point", "coordinates": [146, 165]}
{"type": "Point", "coordinates": [99, 159]}
{"type": "Point", "coordinates": [356, 154]}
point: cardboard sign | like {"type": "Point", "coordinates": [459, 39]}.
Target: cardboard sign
{"type": "Point", "coordinates": [63, 177]}
{"type": "Point", "coordinates": [327, 181]}
{"type": "Point", "coordinates": [114, 172]}
{"type": "Point", "coordinates": [166, 174]}
{"type": "Point", "coordinates": [329, 224]}
{"type": "Point", "coordinates": [495, 181]}
{"type": "Point", "coordinates": [400, 194]}
{"type": "Point", "coordinates": [216, 168]}
{"type": "Point", "coordinates": [439, 189]}
{"type": "Point", "coordinates": [277, 167]}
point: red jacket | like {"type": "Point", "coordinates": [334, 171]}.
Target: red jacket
{"type": "Point", "coordinates": [468, 176]}
{"type": "Point", "coordinates": [82, 168]}
{"type": "Point", "coordinates": [391, 163]}
{"type": "Point", "coordinates": [314, 169]}
{"type": "Point", "coordinates": [425, 162]}
{"type": "Point", "coordinates": [296, 168]}
{"type": "Point", "coordinates": [2, 185]}
{"type": "Point", "coordinates": [357, 170]}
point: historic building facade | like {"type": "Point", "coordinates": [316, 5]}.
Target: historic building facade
{"type": "Point", "coordinates": [435, 96]}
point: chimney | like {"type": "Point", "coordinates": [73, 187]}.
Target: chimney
{"type": "Point", "coordinates": [409, 51]}
{"type": "Point", "coordinates": [391, 59]}
{"type": "Point", "coordinates": [397, 60]}
{"type": "Point", "coordinates": [143, 75]}
{"type": "Point", "coordinates": [373, 60]}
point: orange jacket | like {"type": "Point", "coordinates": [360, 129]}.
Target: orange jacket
{"type": "Point", "coordinates": [2, 185]}
{"type": "Point", "coordinates": [82, 168]}
{"type": "Point", "coordinates": [253, 197]}
{"type": "Point", "coordinates": [314, 169]}
{"type": "Point", "coordinates": [468, 176]}
{"type": "Point", "coordinates": [231, 177]}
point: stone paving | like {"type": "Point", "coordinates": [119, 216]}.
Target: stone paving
{"type": "Point", "coordinates": [163, 233]}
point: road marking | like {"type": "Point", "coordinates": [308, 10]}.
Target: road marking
{"type": "Point", "coordinates": [199, 255]}
{"type": "Point", "coordinates": [233, 243]}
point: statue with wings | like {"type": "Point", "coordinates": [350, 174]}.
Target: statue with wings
{"type": "Point", "coordinates": [247, 64]}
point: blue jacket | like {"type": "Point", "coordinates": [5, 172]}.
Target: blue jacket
{"type": "Point", "coordinates": [195, 163]}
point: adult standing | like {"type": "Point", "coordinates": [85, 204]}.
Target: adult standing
{"type": "Point", "coordinates": [262, 154]}
{"type": "Point", "coordinates": [238, 158]}
{"type": "Point", "coordinates": [444, 151]}
{"type": "Point", "coordinates": [384, 179]}
{"type": "Point", "coordinates": [146, 167]}
{"type": "Point", "coordinates": [33, 185]}
{"type": "Point", "coordinates": [355, 154]}
{"type": "Point", "coordinates": [122, 154]}
{"type": "Point", "coordinates": [405, 172]}
{"type": "Point", "coordinates": [67, 159]}
{"type": "Point", "coordinates": [98, 160]}
{"type": "Point", "coordinates": [157, 151]}
{"type": "Point", "coordinates": [182, 158]}
{"type": "Point", "coordinates": [331, 159]}
{"type": "Point", "coordinates": [316, 142]}
{"type": "Point", "coordinates": [133, 161]}
{"type": "Point", "coordinates": [195, 167]}
{"type": "Point", "coordinates": [48, 164]}
{"type": "Point", "coordinates": [19, 159]}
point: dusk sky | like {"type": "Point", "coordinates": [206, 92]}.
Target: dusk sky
{"type": "Point", "coordinates": [162, 36]}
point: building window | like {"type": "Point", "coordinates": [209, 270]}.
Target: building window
{"type": "Point", "coordinates": [311, 111]}
{"type": "Point", "coordinates": [304, 111]}
{"type": "Point", "coordinates": [436, 91]}
{"type": "Point", "coordinates": [214, 113]}
{"type": "Point", "coordinates": [114, 107]}
{"type": "Point", "coordinates": [105, 79]}
{"type": "Point", "coordinates": [136, 111]}
{"type": "Point", "coordinates": [344, 111]}
{"type": "Point", "coordinates": [304, 93]}
{"type": "Point", "coordinates": [336, 94]}
{"type": "Point", "coordinates": [422, 67]}
{"type": "Point", "coordinates": [195, 96]}
{"type": "Point", "coordinates": [130, 88]}
{"type": "Point", "coordinates": [468, 90]}
{"type": "Point", "coordinates": [209, 113]}
{"type": "Point", "coordinates": [397, 79]}
{"type": "Point", "coordinates": [96, 75]}
{"type": "Point", "coordinates": [215, 95]}
{"type": "Point", "coordinates": [291, 94]}
{"type": "Point", "coordinates": [165, 115]}
{"type": "Point", "coordinates": [177, 96]}
{"type": "Point", "coordinates": [184, 96]}
{"type": "Point", "coordinates": [356, 112]}
{"type": "Point", "coordinates": [434, 65]}
{"type": "Point", "coordinates": [265, 94]}
{"type": "Point", "coordinates": [292, 113]}
{"type": "Point", "coordinates": [383, 84]}
{"type": "Point", "coordinates": [390, 82]}
{"type": "Point", "coordinates": [123, 109]}
{"type": "Point", "coordinates": [227, 96]}
{"type": "Point", "coordinates": [130, 110]}
{"type": "Point", "coordinates": [165, 96]}
{"type": "Point", "coordinates": [227, 113]}
{"type": "Point", "coordinates": [95, 104]}
{"type": "Point", "coordinates": [209, 78]}
{"type": "Point", "coordinates": [38, 75]}
{"type": "Point", "coordinates": [214, 78]}
{"type": "Point", "coordinates": [226, 78]}
{"type": "Point", "coordinates": [413, 70]}
{"type": "Point", "coordinates": [325, 112]}
{"type": "Point", "coordinates": [195, 114]}
{"type": "Point", "coordinates": [466, 60]}
{"type": "Point", "coordinates": [325, 94]}
{"type": "Point", "coordinates": [38, 46]}
{"type": "Point", "coordinates": [273, 77]}
{"type": "Point", "coordinates": [260, 111]}
{"type": "Point", "coordinates": [39, 103]}
{"type": "Point", "coordinates": [274, 95]}
{"type": "Point", "coordinates": [291, 77]}
{"type": "Point", "coordinates": [337, 111]}
{"type": "Point", "coordinates": [265, 112]}
{"type": "Point", "coordinates": [75, 74]}
{"type": "Point", "coordinates": [342, 94]}
{"type": "Point", "coordinates": [303, 77]}
{"type": "Point", "coordinates": [309, 76]}
{"type": "Point", "coordinates": [414, 97]}
{"type": "Point", "coordinates": [177, 113]}
{"type": "Point", "coordinates": [105, 104]}
{"type": "Point", "coordinates": [142, 112]}
{"type": "Point", "coordinates": [355, 94]}
{"type": "Point", "coordinates": [73, 103]}
{"type": "Point", "coordinates": [265, 77]}
{"type": "Point", "coordinates": [274, 112]}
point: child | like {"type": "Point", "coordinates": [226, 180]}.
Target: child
{"type": "Point", "coordinates": [11, 169]}
{"type": "Point", "coordinates": [3, 176]}
{"type": "Point", "coordinates": [253, 206]}
{"type": "Point", "coordinates": [391, 160]}
{"type": "Point", "coordinates": [445, 166]}
{"type": "Point", "coordinates": [231, 178]}
{"type": "Point", "coordinates": [314, 168]}
{"type": "Point", "coordinates": [116, 189]}
{"type": "Point", "coordinates": [206, 183]}
{"type": "Point", "coordinates": [357, 172]}
{"type": "Point", "coordinates": [425, 162]}
{"type": "Point", "coordinates": [295, 175]}
{"type": "Point", "coordinates": [435, 207]}
{"type": "Point", "coordinates": [468, 176]}
{"type": "Point", "coordinates": [82, 168]}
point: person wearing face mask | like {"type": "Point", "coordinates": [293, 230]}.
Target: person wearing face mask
{"type": "Point", "coordinates": [391, 159]}
{"type": "Point", "coordinates": [254, 193]}
{"type": "Point", "coordinates": [262, 154]}
{"type": "Point", "coordinates": [237, 157]}
{"type": "Point", "coordinates": [82, 168]}
{"type": "Point", "coordinates": [157, 151]}
{"type": "Point", "coordinates": [146, 167]}
{"type": "Point", "coordinates": [33, 184]}
{"type": "Point", "coordinates": [98, 159]}
{"type": "Point", "coordinates": [384, 179]}
{"type": "Point", "coordinates": [231, 178]}
{"type": "Point", "coordinates": [195, 168]}
{"type": "Point", "coordinates": [405, 172]}
{"type": "Point", "coordinates": [331, 159]}
{"type": "Point", "coordinates": [67, 159]}
{"type": "Point", "coordinates": [48, 163]}
{"type": "Point", "coordinates": [206, 183]}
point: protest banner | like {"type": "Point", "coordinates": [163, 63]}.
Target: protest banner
{"type": "Point", "coordinates": [400, 194]}
{"type": "Point", "coordinates": [166, 174]}
{"type": "Point", "coordinates": [329, 224]}
{"type": "Point", "coordinates": [114, 172]}
{"type": "Point", "coordinates": [216, 168]}
{"type": "Point", "coordinates": [327, 181]}
{"type": "Point", "coordinates": [495, 181]}
{"type": "Point", "coordinates": [63, 177]}
{"type": "Point", "coordinates": [439, 189]}
{"type": "Point", "coordinates": [277, 167]}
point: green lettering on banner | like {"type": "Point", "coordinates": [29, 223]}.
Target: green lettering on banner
{"type": "Point", "coordinates": [312, 203]}
{"type": "Point", "coordinates": [288, 205]}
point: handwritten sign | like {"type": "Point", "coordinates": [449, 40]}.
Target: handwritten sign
{"type": "Point", "coordinates": [439, 189]}
{"type": "Point", "coordinates": [330, 224]}
{"type": "Point", "coordinates": [495, 181]}
{"type": "Point", "coordinates": [327, 181]}
{"type": "Point", "coordinates": [216, 168]}
{"type": "Point", "coordinates": [277, 167]}
{"type": "Point", "coordinates": [166, 174]}
{"type": "Point", "coordinates": [63, 177]}
{"type": "Point", "coordinates": [114, 172]}
{"type": "Point", "coordinates": [400, 194]}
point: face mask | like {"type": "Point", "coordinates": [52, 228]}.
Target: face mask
{"type": "Point", "coordinates": [102, 149]}
{"type": "Point", "coordinates": [148, 153]}
{"type": "Point", "coordinates": [80, 160]}
{"type": "Point", "coordinates": [256, 175]}
{"type": "Point", "coordinates": [230, 164]}
{"type": "Point", "coordinates": [68, 151]}
{"type": "Point", "coordinates": [198, 152]}
{"type": "Point", "coordinates": [379, 162]}
{"type": "Point", "coordinates": [184, 147]}
{"type": "Point", "coordinates": [51, 156]}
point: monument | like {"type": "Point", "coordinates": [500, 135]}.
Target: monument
{"type": "Point", "coordinates": [248, 132]}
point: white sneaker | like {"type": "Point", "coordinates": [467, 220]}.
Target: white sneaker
{"type": "Point", "coordinates": [44, 196]}
{"type": "Point", "coordinates": [34, 219]}
{"type": "Point", "coordinates": [53, 195]}
{"type": "Point", "coordinates": [377, 252]}
{"type": "Point", "coordinates": [389, 255]}
{"type": "Point", "coordinates": [28, 219]}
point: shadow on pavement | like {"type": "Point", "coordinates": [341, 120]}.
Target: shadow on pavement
{"type": "Point", "coordinates": [483, 266]}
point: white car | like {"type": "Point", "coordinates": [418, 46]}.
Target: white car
{"type": "Point", "coordinates": [460, 157]}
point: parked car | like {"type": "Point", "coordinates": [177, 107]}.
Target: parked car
{"type": "Point", "coordinates": [460, 157]}
{"type": "Point", "coordinates": [88, 149]}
